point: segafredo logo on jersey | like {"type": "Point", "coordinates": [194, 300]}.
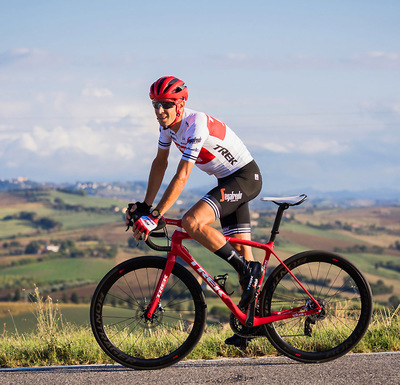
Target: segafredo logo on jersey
{"type": "Point", "coordinates": [191, 141]}
{"type": "Point", "coordinates": [231, 197]}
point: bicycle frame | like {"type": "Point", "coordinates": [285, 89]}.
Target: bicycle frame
{"type": "Point", "coordinates": [178, 250]}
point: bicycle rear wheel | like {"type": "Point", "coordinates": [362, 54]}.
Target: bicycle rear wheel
{"type": "Point", "coordinates": [340, 289]}
{"type": "Point", "coordinates": [126, 335]}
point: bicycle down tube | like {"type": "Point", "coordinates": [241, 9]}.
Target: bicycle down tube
{"type": "Point", "coordinates": [177, 249]}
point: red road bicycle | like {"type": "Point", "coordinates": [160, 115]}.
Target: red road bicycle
{"type": "Point", "coordinates": [150, 312]}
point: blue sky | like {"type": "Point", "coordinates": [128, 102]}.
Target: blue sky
{"type": "Point", "coordinates": [311, 87]}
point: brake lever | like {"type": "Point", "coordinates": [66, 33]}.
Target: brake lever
{"type": "Point", "coordinates": [130, 224]}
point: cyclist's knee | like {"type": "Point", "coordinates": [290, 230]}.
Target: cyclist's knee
{"type": "Point", "coordinates": [190, 223]}
{"type": "Point", "coordinates": [199, 216]}
{"type": "Point", "coordinates": [194, 222]}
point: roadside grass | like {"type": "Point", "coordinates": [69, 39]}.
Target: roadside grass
{"type": "Point", "coordinates": [56, 342]}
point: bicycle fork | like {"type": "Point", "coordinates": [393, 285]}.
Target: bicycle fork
{"type": "Point", "coordinates": [153, 305]}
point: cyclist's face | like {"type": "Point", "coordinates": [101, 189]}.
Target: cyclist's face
{"type": "Point", "coordinates": [167, 114]}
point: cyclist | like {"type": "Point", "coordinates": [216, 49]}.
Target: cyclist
{"type": "Point", "coordinates": [215, 149]}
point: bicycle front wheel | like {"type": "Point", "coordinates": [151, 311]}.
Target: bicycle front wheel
{"type": "Point", "coordinates": [118, 307]}
{"type": "Point", "coordinates": [342, 292]}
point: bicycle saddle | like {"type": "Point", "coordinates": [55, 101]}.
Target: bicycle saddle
{"type": "Point", "coordinates": [291, 201]}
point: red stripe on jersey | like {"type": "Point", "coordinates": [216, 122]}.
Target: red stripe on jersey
{"type": "Point", "coordinates": [204, 157]}
{"type": "Point", "coordinates": [216, 128]}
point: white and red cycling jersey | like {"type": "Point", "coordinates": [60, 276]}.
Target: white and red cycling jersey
{"type": "Point", "coordinates": [208, 143]}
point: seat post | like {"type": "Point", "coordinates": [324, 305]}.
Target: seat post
{"type": "Point", "coordinates": [278, 218]}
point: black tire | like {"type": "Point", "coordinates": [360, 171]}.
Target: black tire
{"type": "Point", "coordinates": [338, 286]}
{"type": "Point", "coordinates": [118, 305]}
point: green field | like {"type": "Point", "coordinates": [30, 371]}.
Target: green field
{"type": "Point", "coordinates": [15, 228]}
{"type": "Point", "coordinates": [61, 270]}
{"type": "Point", "coordinates": [44, 206]}
{"type": "Point", "coordinates": [306, 230]}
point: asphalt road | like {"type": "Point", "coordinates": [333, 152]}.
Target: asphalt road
{"type": "Point", "coordinates": [374, 368]}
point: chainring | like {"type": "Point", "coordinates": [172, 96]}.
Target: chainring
{"type": "Point", "coordinates": [243, 331]}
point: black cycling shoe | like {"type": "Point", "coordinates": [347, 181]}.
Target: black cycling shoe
{"type": "Point", "coordinates": [239, 342]}
{"type": "Point", "coordinates": [249, 281]}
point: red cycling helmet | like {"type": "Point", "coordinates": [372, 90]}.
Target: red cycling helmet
{"type": "Point", "coordinates": [168, 87]}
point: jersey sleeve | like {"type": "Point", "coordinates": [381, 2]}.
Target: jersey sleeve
{"type": "Point", "coordinates": [196, 136]}
{"type": "Point", "coordinates": [164, 140]}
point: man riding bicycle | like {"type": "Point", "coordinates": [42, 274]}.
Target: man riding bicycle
{"type": "Point", "coordinates": [215, 149]}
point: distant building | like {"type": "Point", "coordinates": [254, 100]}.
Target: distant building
{"type": "Point", "coordinates": [52, 248]}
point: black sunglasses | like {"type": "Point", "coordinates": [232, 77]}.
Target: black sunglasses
{"type": "Point", "coordinates": [165, 104]}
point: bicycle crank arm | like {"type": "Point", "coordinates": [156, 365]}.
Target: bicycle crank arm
{"type": "Point", "coordinates": [251, 314]}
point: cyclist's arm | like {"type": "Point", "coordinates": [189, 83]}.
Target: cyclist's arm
{"type": "Point", "coordinates": [176, 186]}
{"type": "Point", "coordinates": [156, 176]}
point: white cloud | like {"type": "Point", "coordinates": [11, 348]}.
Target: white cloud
{"type": "Point", "coordinates": [236, 56]}
{"type": "Point", "coordinates": [304, 61]}
{"type": "Point", "coordinates": [317, 146]}
{"type": "Point", "coordinates": [31, 58]}
{"type": "Point", "coordinates": [379, 55]}
{"type": "Point", "coordinates": [275, 147]}
{"type": "Point", "coordinates": [97, 92]}
{"type": "Point", "coordinates": [27, 142]}
{"type": "Point", "coordinates": [308, 147]}
{"type": "Point", "coordinates": [14, 108]}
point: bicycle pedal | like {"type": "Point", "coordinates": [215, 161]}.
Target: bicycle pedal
{"type": "Point", "coordinates": [221, 280]}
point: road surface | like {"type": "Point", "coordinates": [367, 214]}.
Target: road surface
{"type": "Point", "coordinates": [366, 369]}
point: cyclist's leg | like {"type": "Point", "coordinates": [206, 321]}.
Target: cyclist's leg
{"type": "Point", "coordinates": [197, 224]}
{"type": "Point", "coordinates": [243, 249]}
{"type": "Point", "coordinates": [237, 225]}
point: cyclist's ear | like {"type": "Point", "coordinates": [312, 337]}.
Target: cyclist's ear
{"type": "Point", "coordinates": [180, 107]}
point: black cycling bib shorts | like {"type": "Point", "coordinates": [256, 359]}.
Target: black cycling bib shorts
{"type": "Point", "coordinates": [229, 200]}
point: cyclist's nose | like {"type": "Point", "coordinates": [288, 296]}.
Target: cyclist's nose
{"type": "Point", "coordinates": [159, 108]}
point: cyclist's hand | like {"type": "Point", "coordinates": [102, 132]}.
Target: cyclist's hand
{"type": "Point", "coordinates": [135, 211]}
{"type": "Point", "coordinates": [143, 226]}
{"type": "Point", "coordinates": [131, 208]}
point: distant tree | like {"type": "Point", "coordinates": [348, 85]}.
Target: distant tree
{"type": "Point", "coordinates": [27, 216]}
{"type": "Point", "coordinates": [32, 247]}
{"type": "Point", "coordinates": [380, 288]}
{"type": "Point", "coordinates": [67, 246]}
{"type": "Point", "coordinates": [395, 246]}
{"type": "Point", "coordinates": [47, 223]}
{"type": "Point", "coordinates": [17, 295]}
{"type": "Point", "coordinates": [74, 298]}
{"type": "Point", "coordinates": [134, 244]}
{"type": "Point", "coordinates": [394, 300]}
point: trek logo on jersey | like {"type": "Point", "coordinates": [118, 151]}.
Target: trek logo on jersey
{"type": "Point", "coordinates": [232, 197]}
{"type": "Point", "coordinates": [226, 154]}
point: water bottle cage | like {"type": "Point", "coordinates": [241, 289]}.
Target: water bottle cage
{"type": "Point", "coordinates": [221, 280]}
